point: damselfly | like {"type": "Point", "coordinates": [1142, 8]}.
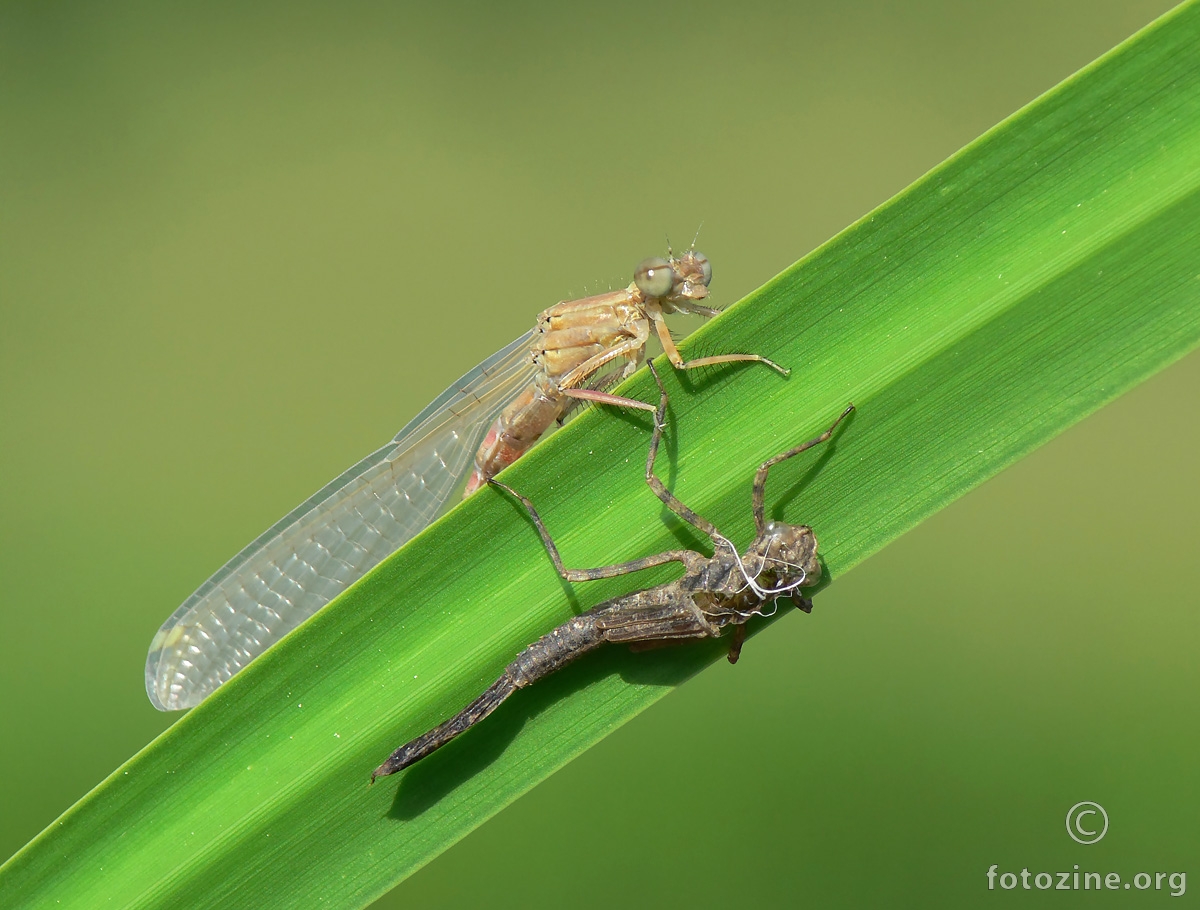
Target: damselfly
{"type": "Point", "coordinates": [334, 537]}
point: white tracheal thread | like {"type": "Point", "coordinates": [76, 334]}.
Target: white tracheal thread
{"type": "Point", "coordinates": [763, 594]}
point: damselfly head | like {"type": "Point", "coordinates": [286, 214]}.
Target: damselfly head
{"type": "Point", "coordinates": [677, 284]}
{"type": "Point", "coordinates": [674, 280]}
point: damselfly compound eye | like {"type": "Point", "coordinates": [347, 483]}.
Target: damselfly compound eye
{"type": "Point", "coordinates": [654, 277]}
{"type": "Point", "coordinates": [705, 266]}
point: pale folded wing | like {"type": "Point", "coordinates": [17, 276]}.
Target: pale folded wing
{"type": "Point", "coordinates": [332, 539]}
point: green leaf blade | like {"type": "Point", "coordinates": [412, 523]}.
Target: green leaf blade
{"type": "Point", "coordinates": [1036, 275]}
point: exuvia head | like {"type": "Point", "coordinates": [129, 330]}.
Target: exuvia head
{"type": "Point", "coordinates": [783, 558]}
{"type": "Point", "coordinates": [675, 282]}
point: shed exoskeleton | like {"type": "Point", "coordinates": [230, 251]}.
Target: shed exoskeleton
{"type": "Point", "coordinates": [725, 589]}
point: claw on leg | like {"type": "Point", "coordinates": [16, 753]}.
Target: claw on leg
{"type": "Point", "coordinates": [735, 646]}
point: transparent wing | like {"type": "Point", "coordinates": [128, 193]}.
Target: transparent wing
{"type": "Point", "coordinates": [331, 540]}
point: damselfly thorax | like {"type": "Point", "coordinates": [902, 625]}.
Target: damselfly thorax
{"type": "Point", "coordinates": [577, 342]}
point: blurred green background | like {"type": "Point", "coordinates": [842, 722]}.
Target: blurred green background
{"type": "Point", "coordinates": [240, 247]}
